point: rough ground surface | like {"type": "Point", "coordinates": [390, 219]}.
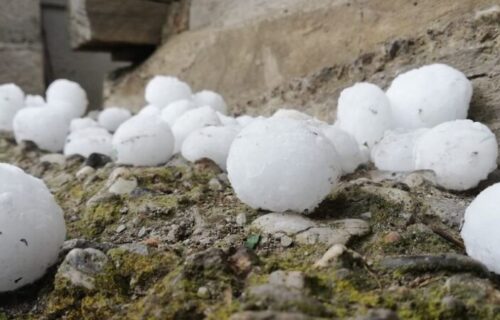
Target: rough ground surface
{"type": "Point", "coordinates": [173, 242]}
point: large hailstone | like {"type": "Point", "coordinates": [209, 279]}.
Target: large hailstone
{"type": "Point", "coordinates": [191, 121]}
{"type": "Point", "coordinates": [163, 90]}
{"type": "Point", "coordinates": [82, 123]}
{"type": "Point", "coordinates": [150, 110]}
{"type": "Point", "coordinates": [87, 141]}
{"type": "Point", "coordinates": [364, 112]}
{"type": "Point", "coordinates": [143, 141]}
{"type": "Point", "coordinates": [111, 118]}
{"type": "Point", "coordinates": [11, 101]}
{"type": "Point", "coordinates": [428, 96]}
{"type": "Point", "coordinates": [34, 101]}
{"type": "Point", "coordinates": [32, 228]}
{"type": "Point", "coordinates": [211, 99]}
{"type": "Point", "coordinates": [349, 154]}
{"type": "Point", "coordinates": [291, 114]}
{"type": "Point", "coordinates": [480, 228]}
{"type": "Point", "coordinates": [461, 153]}
{"type": "Point", "coordinates": [282, 164]}
{"type": "Point", "coordinates": [173, 111]}
{"type": "Point", "coordinates": [68, 97]}
{"type": "Point", "coordinates": [395, 151]}
{"type": "Point", "coordinates": [45, 126]}
{"type": "Point", "coordinates": [210, 142]}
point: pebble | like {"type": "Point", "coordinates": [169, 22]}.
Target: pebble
{"type": "Point", "coordinates": [121, 228]}
{"type": "Point", "coordinates": [122, 186]}
{"type": "Point", "coordinates": [392, 237]}
{"type": "Point", "coordinates": [330, 256]}
{"type": "Point", "coordinates": [81, 266]}
{"type": "Point", "coordinates": [54, 158]}
{"type": "Point", "coordinates": [289, 279]}
{"type": "Point", "coordinates": [241, 219]}
{"type": "Point", "coordinates": [286, 241]}
{"type": "Point", "coordinates": [203, 293]}
{"type": "Point", "coordinates": [142, 232]}
{"type": "Point", "coordinates": [84, 173]}
{"type": "Point", "coordinates": [288, 223]}
{"type": "Point", "coordinates": [215, 185]}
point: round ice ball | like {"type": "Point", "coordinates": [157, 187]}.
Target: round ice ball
{"type": "Point", "coordinates": [282, 164]}
{"type": "Point", "coordinates": [32, 228]}
{"type": "Point", "coordinates": [174, 110]}
{"type": "Point", "coordinates": [87, 141]}
{"type": "Point", "coordinates": [163, 90]}
{"type": "Point", "coordinates": [14, 92]}
{"type": "Point", "coordinates": [11, 101]}
{"type": "Point", "coordinates": [82, 123]}
{"type": "Point", "coordinates": [68, 97]}
{"type": "Point", "coordinates": [191, 121]}
{"type": "Point", "coordinates": [349, 154]}
{"type": "Point", "coordinates": [395, 152]}
{"type": "Point", "coordinates": [150, 110]}
{"type": "Point", "coordinates": [210, 142]}
{"type": "Point", "coordinates": [244, 120]}
{"type": "Point", "coordinates": [34, 101]}
{"type": "Point", "coordinates": [428, 96]}
{"type": "Point", "coordinates": [364, 112]}
{"type": "Point", "coordinates": [211, 99]}
{"type": "Point", "coordinates": [461, 153]}
{"type": "Point", "coordinates": [143, 141]}
{"type": "Point", "coordinates": [291, 114]}
{"type": "Point", "coordinates": [111, 118]}
{"type": "Point", "coordinates": [480, 228]}
{"type": "Point", "coordinates": [226, 120]}
{"type": "Point", "coordinates": [46, 127]}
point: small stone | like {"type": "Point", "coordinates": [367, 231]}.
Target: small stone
{"type": "Point", "coordinates": [453, 305]}
{"type": "Point", "coordinates": [54, 158]}
{"type": "Point", "coordinates": [331, 255]}
{"type": "Point", "coordinates": [288, 223]}
{"type": "Point", "coordinates": [203, 293]}
{"type": "Point", "coordinates": [121, 228]}
{"type": "Point", "coordinates": [241, 219]}
{"type": "Point", "coordinates": [122, 186]}
{"type": "Point", "coordinates": [81, 266]}
{"type": "Point", "coordinates": [138, 248]}
{"type": "Point", "coordinates": [379, 314]}
{"type": "Point", "coordinates": [142, 232]}
{"type": "Point", "coordinates": [152, 242]}
{"type": "Point", "coordinates": [286, 241]}
{"type": "Point", "coordinates": [84, 172]}
{"type": "Point", "coordinates": [366, 215]}
{"type": "Point", "coordinates": [97, 160]}
{"type": "Point", "coordinates": [243, 260]}
{"type": "Point", "coordinates": [123, 210]}
{"type": "Point", "coordinates": [392, 237]}
{"type": "Point", "coordinates": [215, 185]}
{"type": "Point", "coordinates": [289, 279]}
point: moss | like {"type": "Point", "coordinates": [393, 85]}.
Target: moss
{"type": "Point", "coordinates": [100, 215]}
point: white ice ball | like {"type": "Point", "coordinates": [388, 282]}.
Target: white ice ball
{"type": "Point", "coordinates": [291, 114]}
{"type": "Point", "coordinates": [34, 101]}
{"type": "Point", "coordinates": [395, 152]}
{"type": "Point", "coordinates": [11, 101]}
{"type": "Point", "coordinates": [150, 110]}
{"type": "Point", "coordinates": [111, 118]}
{"type": "Point", "coordinates": [46, 127]}
{"type": "Point", "coordinates": [349, 154]}
{"type": "Point", "coordinates": [210, 142]}
{"type": "Point", "coordinates": [82, 123]}
{"type": "Point", "coordinates": [211, 99]}
{"type": "Point", "coordinates": [480, 228]}
{"type": "Point", "coordinates": [461, 153]}
{"type": "Point", "coordinates": [163, 90]}
{"type": "Point", "coordinates": [32, 228]}
{"type": "Point", "coordinates": [428, 96]}
{"type": "Point", "coordinates": [227, 120]}
{"type": "Point", "coordinates": [14, 92]}
{"type": "Point", "coordinates": [174, 110]}
{"type": "Point", "coordinates": [68, 97]}
{"type": "Point", "coordinates": [191, 121]}
{"type": "Point", "coordinates": [143, 141]}
{"type": "Point", "coordinates": [87, 141]}
{"type": "Point", "coordinates": [282, 164]}
{"type": "Point", "coordinates": [244, 120]}
{"type": "Point", "coordinates": [364, 112]}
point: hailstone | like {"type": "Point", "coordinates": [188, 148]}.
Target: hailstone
{"type": "Point", "coordinates": [192, 120]}
{"type": "Point", "coordinates": [226, 120]}
{"type": "Point", "coordinates": [87, 141]}
{"type": "Point", "coordinates": [112, 118]}
{"type": "Point", "coordinates": [32, 228]}
{"type": "Point", "coordinates": [34, 101]}
{"type": "Point", "coordinates": [210, 142]}
{"type": "Point", "coordinates": [211, 99]}
{"type": "Point", "coordinates": [282, 164]}
{"type": "Point", "coordinates": [349, 154]}
{"type": "Point", "coordinates": [163, 90]}
{"type": "Point", "coordinates": [428, 96]}
{"type": "Point", "coordinates": [82, 123]}
{"type": "Point", "coordinates": [67, 97]}
{"type": "Point", "coordinates": [244, 120]}
{"type": "Point", "coordinates": [14, 92]}
{"type": "Point", "coordinates": [11, 101]}
{"type": "Point", "coordinates": [364, 112]}
{"type": "Point", "coordinates": [173, 111]}
{"type": "Point", "coordinates": [143, 140]}
{"type": "Point", "coordinates": [480, 228]}
{"type": "Point", "coordinates": [291, 114]}
{"type": "Point", "coordinates": [45, 126]}
{"type": "Point", "coordinates": [461, 153]}
{"type": "Point", "coordinates": [150, 110]}
{"type": "Point", "coordinates": [395, 151]}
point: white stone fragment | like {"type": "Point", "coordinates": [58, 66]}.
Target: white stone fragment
{"type": "Point", "coordinates": [428, 96]}
{"type": "Point", "coordinates": [67, 97]}
{"type": "Point", "coordinates": [87, 141]}
{"type": "Point", "coordinates": [282, 164]}
{"type": "Point", "coordinates": [111, 118]}
{"type": "Point", "coordinates": [211, 99]}
{"type": "Point", "coordinates": [163, 90]}
{"type": "Point", "coordinates": [461, 153]}
{"type": "Point", "coordinates": [174, 110]}
{"type": "Point", "coordinates": [32, 228]}
{"type": "Point", "coordinates": [349, 153]}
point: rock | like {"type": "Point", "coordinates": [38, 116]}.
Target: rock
{"type": "Point", "coordinates": [331, 255]}
{"type": "Point", "coordinates": [392, 237]}
{"type": "Point", "coordinates": [122, 186]}
{"type": "Point", "coordinates": [340, 232]}
{"type": "Point", "coordinates": [54, 158]}
{"type": "Point", "coordinates": [289, 279]}
{"type": "Point", "coordinates": [215, 185]}
{"type": "Point", "coordinates": [241, 219]}
{"type": "Point", "coordinates": [269, 315]}
{"type": "Point", "coordinates": [203, 293]}
{"type": "Point", "coordinates": [466, 286]}
{"type": "Point", "coordinates": [84, 244]}
{"type": "Point", "coordinates": [286, 241]}
{"type": "Point", "coordinates": [288, 223]}
{"type": "Point", "coordinates": [97, 160]}
{"type": "Point", "coordinates": [138, 248]}
{"type": "Point", "coordinates": [84, 173]}
{"type": "Point", "coordinates": [453, 306]}
{"type": "Point", "coordinates": [81, 266]}
{"type": "Point", "coordinates": [243, 260]}
{"type": "Point", "coordinates": [121, 228]}
{"type": "Point", "coordinates": [379, 314]}
{"type": "Point", "coordinates": [142, 232]}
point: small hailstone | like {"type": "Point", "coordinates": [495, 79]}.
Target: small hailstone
{"type": "Point", "coordinates": [32, 228]}
{"type": "Point", "coordinates": [163, 90]}
{"type": "Point", "coordinates": [112, 118]}
{"type": "Point", "coordinates": [68, 97]}
{"type": "Point", "coordinates": [461, 153]}
{"type": "Point", "coordinates": [291, 114]}
{"type": "Point", "coordinates": [480, 228]}
{"type": "Point", "coordinates": [395, 151]}
{"type": "Point", "coordinates": [174, 110]}
{"type": "Point", "coordinates": [34, 101]}
{"type": "Point", "coordinates": [82, 123]}
{"type": "Point", "coordinates": [211, 99]}
{"type": "Point", "coordinates": [209, 142]}
{"type": "Point", "coordinates": [11, 101]}
{"type": "Point", "coordinates": [87, 141]}
{"type": "Point", "coordinates": [14, 92]}
{"type": "Point", "coordinates": [191, 121]}
{"type": "Point", "coordinates": [349, 153]}
{"type": "Point", "coordinates": [282, 164]}
{"type": "Point", "coordinates": [428, 96]}
{"type": "Point", "coordinates": [150, 110]}
{"type": "Point", "coordinates": [143, 140]}
{"type": "Point", "coordinates": [226, 120]}
{"type": "Point", "coordinates": [45, 126]}
{"type": "Point", "coordinates": [364, 112]}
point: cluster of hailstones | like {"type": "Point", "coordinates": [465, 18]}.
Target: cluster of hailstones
{"type": "Point", "coordinates": [287, 162]}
